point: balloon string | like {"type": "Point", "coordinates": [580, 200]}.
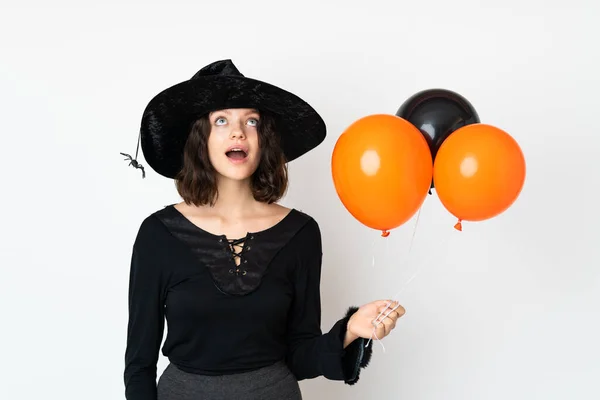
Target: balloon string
{"type": "Point", "coordinates": [377, 337]}
{"type": "Point", "coordinates": [395, 297]}
{"type": "Point", "coordinates": [373, 253]}
{"type": "Point", "coordinates": [386, 252]}
{"type": "Point", "coordinates": [412, 239]}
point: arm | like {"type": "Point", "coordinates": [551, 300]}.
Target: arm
{"type": "Point", "coordinates": [336, 355]}
{"type": "Point", "coordinates": [146, 317]}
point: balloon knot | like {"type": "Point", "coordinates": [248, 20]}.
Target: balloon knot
{"type": "Point", "coordinates": [458, 225]}
{"type": "Point", "coordinates": [385, 233]}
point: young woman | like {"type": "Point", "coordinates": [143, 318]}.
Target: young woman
{"type": "Point", "coordinates": [235, 275]}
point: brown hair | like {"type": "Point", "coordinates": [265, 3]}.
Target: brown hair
{"type": "Point", "coordinates": [197, 183]}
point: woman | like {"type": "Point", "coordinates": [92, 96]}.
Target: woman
{"type": "Point", "coordinates": [235, 275]}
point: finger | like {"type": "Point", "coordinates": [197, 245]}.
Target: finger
{"type": "Point", "coordinates": [386, 306]}
{"type": "Point", "coordinates": [385, 328]}
{"type": "Point", "coordinates": [391, 315]}
{"type": "Point", "coordinates": [382, 318]}
{"type": "Point", "coordinates": [386, 310]}
{"type": "Point", "coordinates": [389, 324]}
{"type": "Point", "coordinates": [395, 306]}
{"type": "Point", "coordinates": [381, 309]}
{"type": "Point", "coordinates": [397, 312]}
{"type": "Point", "coordinates": [381, 330]}
{"type": "Point", "coordinates": [400, 310]}
{"type": "Point", "coordinates": [389, 312]}
{"type": "Point", "coordinates": [383, 303]}
{"type": "Point", "coordinates": [378, 333]}
{"type": "Point", "coordinates": [383, 313]}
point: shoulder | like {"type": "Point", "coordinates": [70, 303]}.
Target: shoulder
{"type": "Point", "coordinates": [150, 227]}
{"type": "Point", "coordinates": [310, 223]}
{"type": "Point", "coordinates": [309, 231]}
{"type": "Point", "coordinates": [306, 245]}
{"type": "Point", "coordinates": [287, 221]}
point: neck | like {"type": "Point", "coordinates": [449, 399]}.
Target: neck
{"type": "Point", "coordinates": [235, 197]}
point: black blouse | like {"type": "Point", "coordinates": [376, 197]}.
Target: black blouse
{"type": "Point", "coordinates": [225, 319]}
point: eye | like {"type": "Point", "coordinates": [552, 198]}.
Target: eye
{"type": "Point", "coordinates": [253, 122]}
{"type": "Point", "coordinates": [220, 121]}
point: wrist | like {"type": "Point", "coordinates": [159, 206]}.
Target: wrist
{"type": "Point", "coordinates": [349, 337]}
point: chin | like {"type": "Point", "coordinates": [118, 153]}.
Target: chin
{"type": "Point", "coordinates": [237, 177]}
{"type": "Point", "coordinates": [236, 174]}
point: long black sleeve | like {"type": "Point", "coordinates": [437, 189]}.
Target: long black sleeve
{"type": "Point", "coordinates": [146, 316]}
{"type": "Point", "coordinates": [312, 353]}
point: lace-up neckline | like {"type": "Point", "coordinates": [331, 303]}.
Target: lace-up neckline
{"type": "Point", "coordinates": [233, 245]}
{"type": "Point", "coordinates": [236, 266]}
{"type": "Point", "coordinates": [237, 248]}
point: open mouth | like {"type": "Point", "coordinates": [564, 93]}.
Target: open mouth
{"type": "Point", "coordinates": [236, 154]}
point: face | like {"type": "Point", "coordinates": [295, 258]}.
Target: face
{"type": "Point", "coordinates": [233, 147]}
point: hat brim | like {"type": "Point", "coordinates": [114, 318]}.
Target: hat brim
{"type": "Point", "coordinates": [169, 116]}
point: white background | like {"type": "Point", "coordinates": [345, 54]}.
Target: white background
{"type": "Point", "coordinates": [507, 309]}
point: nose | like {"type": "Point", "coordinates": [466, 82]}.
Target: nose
{"type": "Point", "coordinates": [237, 131]}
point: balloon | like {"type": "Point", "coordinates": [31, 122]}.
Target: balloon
{"type": "Point", "coordinates": [437, 113]}
{"type": "Point", "coordinates": [382, 169]}
{"type": "Point", "coordinates": [479, 172]}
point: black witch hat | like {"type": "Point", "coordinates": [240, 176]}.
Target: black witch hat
{"type": "Point", "coordinates": [168, 118]}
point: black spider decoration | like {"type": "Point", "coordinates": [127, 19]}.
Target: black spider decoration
{"type": "Point", "coordinates": [135, 164]}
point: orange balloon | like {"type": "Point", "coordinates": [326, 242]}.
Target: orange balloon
{"type": "Point", "coordinates": [382, 170]}
{"type": "Point", "coordinates": [478, 172]}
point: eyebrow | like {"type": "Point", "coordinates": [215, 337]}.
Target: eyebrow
{"type": "Point", "coordinates": [252, 111]}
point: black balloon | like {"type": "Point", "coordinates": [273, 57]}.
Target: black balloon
{"type": "Point", "coordinates": [437, 113]}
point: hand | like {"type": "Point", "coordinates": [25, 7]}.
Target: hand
{"type": "Point", "coordinates": [363, 321]}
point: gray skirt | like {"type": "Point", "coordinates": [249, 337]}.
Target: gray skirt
{"type": "Point", "coordinates": [268, 383]}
